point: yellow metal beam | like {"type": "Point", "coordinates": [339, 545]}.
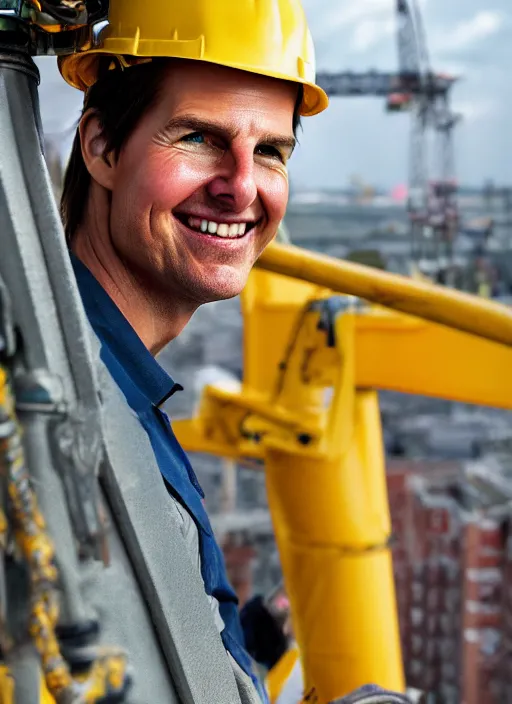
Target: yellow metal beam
{"type": "Point", "coordinates": [392, 351]}
{"type": "Point", "coordinates": [436, 303]}
{"type": "Point", "coordinates": [329, 507]}
{"type": "Point", "coordinates": [332, 526]}
{"type": "Point", "coordinates": [400, 353]}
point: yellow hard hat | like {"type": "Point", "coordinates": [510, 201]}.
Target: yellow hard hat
{"type": "Point", "coordinates": [268, 37]}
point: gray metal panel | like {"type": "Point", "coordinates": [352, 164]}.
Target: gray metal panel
{"type": "Point", "coordinates": [26, 209]}
{"type": "Point", "coordinates": [170, 582]}
{"type": "Point", "coordinates": [118, 603]}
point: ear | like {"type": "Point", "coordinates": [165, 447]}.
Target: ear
{"type": "Point", "coordinates": [99, 163]}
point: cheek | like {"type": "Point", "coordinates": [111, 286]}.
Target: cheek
{"type": "Point", "coordinates": [165, 180]}
{"type": "Point", "coordinates": [273, 190]}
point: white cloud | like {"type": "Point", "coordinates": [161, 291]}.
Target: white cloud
{"type": "Point", "coordinates": [345, 28]}
{"type": "Point", "coordinates": [369, 32]}
{"type": "Point", "coordinates": [484, 24]}
{"type": "Point", "coordinates": [346, 13]}
{"type": "Point", "coordinates": [366, 23]}
{"type": "Point", "coordinates": [349, 13]}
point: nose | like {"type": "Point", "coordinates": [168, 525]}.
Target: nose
{"type": "Point", "coordinates": [234, 186]}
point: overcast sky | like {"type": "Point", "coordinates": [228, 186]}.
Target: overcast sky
{"type": "Point", "coordinates": [471, 38]}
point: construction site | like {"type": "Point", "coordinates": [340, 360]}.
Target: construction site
{"type": "Point", "coordinates": [310, 363]}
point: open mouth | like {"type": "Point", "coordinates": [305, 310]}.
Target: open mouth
{"type": "Point", "coordinates": [224, 230]}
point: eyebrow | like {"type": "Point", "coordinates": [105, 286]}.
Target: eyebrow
{"type": "Point", "coordinates": [196, 124]}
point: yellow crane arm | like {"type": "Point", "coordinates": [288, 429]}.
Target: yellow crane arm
{"type": "Point", "coordinates": [460, 311]}
{"type": "Point", "coordinates": [399, 353]}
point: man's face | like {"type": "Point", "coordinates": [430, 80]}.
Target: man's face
{"type": "Point", "coordinates": [202, 185]}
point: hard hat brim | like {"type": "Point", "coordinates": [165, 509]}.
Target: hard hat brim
{"type": "Point", "coordinates": [81, 72]}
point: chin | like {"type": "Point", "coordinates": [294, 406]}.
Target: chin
{"type": "Point", "coordinates": [221, 288]}
{"type": "Point", "coordinates": [221, 293]}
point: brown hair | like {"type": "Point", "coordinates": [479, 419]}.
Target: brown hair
{"type": "Point", "coordinates": [121, 98]}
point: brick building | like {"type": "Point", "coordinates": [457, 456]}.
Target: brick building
{"type": "Point", "coordinates": [453, 570]}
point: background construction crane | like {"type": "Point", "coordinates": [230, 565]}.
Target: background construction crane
{"type": "Point", "coordinates": [433, 207]}
{"type": "Point", "coordinates": [432, 202]}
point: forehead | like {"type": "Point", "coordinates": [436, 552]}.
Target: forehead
{"type": "Point", "coordinates": [229, 96]}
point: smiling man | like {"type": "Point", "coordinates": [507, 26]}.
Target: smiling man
{"type": "Point", "coordinates": [178, 214]}
{"type": "Point", "coordinates": [176, 183]}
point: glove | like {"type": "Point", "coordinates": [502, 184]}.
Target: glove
{"type": "Point", "coordinates": [264, 638]}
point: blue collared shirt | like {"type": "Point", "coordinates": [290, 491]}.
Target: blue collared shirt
{"type": "Point", "coordinates": [146, 386]}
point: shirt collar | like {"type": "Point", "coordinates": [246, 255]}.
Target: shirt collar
{"type": "Point", "coordinates": [116, 332]}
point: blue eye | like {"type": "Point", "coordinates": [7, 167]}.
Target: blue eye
{"type": "Point", "coordinates": [195, 137]}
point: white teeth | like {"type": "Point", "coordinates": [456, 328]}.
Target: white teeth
{"type": "Point", "coordinates": [214, 228]}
